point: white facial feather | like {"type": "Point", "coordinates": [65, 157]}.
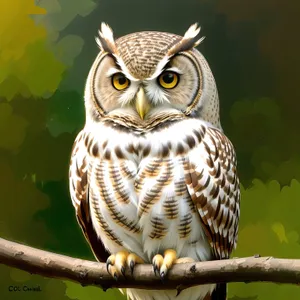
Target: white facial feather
{"type": "Point", "coordinates": [159, 68]}
{"type": "Point", "coordinates": [125, 70]}
{"type": "Point", "coordinates": [128, 95]}
{"type": "Point", "coordinates": [155, 93]}
{"type": "Point", "coordinates": [112, 71]}
{"type": "Point", "coordinates": [175, 69]}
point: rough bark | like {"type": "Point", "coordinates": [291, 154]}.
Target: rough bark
{"type": "Point", "coordinates": [85, 272]}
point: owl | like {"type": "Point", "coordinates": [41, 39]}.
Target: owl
{"type": "Point", "coordinates": [153, 178]}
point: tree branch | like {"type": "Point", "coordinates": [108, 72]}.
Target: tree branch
{"type": "Point", "coordinates": [181, 276]}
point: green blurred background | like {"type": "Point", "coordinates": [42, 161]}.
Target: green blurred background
{"type": "Point", "coordinates": [46, 50]}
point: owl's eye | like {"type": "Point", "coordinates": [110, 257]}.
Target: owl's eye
{"type": "Point", "coordinates": [168, 80]}
{"type": "Point", "coordinates": [119, 81]}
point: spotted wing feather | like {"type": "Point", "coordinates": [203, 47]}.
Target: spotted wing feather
{"type": "Point", "coordinates": [79, 190]}
{"type": "Point", "coordinates": [213, 185]}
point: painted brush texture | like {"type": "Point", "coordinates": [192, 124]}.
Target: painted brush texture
{"type": "Point", "coordinates": [46, 50]}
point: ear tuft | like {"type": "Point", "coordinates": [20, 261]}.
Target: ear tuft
{"type": "Point", "coordinates": [105, 40]}
{"type": "Point", "coordinates": [189, 40]}
{"type": "Point", "coordinates": [192, 32]}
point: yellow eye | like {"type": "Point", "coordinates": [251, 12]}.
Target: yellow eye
{"type": "Point", "coordinates": [168, 80]}
{"type": "Point", "coordinates": [119, 81]}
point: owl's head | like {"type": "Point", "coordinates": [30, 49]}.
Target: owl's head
{"type": "Point", "coordinates": [146, 79]}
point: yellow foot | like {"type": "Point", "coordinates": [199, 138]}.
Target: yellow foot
{"type": "Point", "coordinates": [116, 263]}
{"type": "Point", "coordinates": [161, 264]}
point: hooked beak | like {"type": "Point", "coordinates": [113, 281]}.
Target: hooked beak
{"type": "Point", "coordinates": [142, 105]}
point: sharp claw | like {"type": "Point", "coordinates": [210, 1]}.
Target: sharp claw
{"type": "Point", "coordinates": [115, 276]}
{"type": "Point", "coordinates": [123, 270]}
{"type": "Point", "coordinates": [162, 276]}
{"type": "Point", "coordinates": [108, 263]}
{"type": "Point", "coordinates": [117, 263]}
{"type": "Point", "coordinates": [155, 269]}
{"type": "Point", "coordinates": [131, 266]}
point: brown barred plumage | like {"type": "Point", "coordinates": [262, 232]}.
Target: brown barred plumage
{"type": "Point", "coordinates": [216, 180]}
{"type": "Point", "coordinates": [162, 179]}
{"type": "Point", "coordinates": [211, 182]}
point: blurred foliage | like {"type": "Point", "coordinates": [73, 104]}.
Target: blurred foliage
{"type": "Point", "coordinates": [50, 288]}
{"type": "Point", "coordinates": [267, 147]}
{"type": "Point", "coordinates": [268, 227]}
{"type": "Point", "coordinates": [13, 123]}
{"type": "Point", "coordinates": [46, 50]}
{"type": "Point", "coordinates": [21, 201]}
{"type": "Point", "coordinates": [65, 115]}
{"type": "Point", "coordinates": [28, 67]}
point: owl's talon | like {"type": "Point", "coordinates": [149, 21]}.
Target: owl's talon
{"type": "Point", "coordinates": [132, 260]}
{"type": "Point", "coordinates": [162, 276]}
{"type": "Point", "coordinates": [116, 276]}
{"type": "Point", "coordinates": [157, 262]}
{"type": "Point", "coordinates": [162, 264]}
{"type": "Point", "coordinates": [163, 271]}
{"type": "Point", "coordinates": [131, 265]}
{"type": "Point", "coordinates": [116, 263]}
{"type": "Point", "coordinates": [155, 269]}
{"type": "Point", "coordinates": [108, 263]}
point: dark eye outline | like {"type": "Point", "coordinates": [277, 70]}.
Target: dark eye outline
{"type": "Point", "coordinates": [121, 88]}
{"type": "Point", "coordinates": [163, 74]}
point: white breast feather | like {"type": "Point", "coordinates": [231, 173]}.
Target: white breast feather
{"type": "Point", "coordinates": [196, 245]}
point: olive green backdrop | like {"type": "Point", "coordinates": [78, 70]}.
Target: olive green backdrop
{"type": "Point", "coordinates": [46, 50]}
